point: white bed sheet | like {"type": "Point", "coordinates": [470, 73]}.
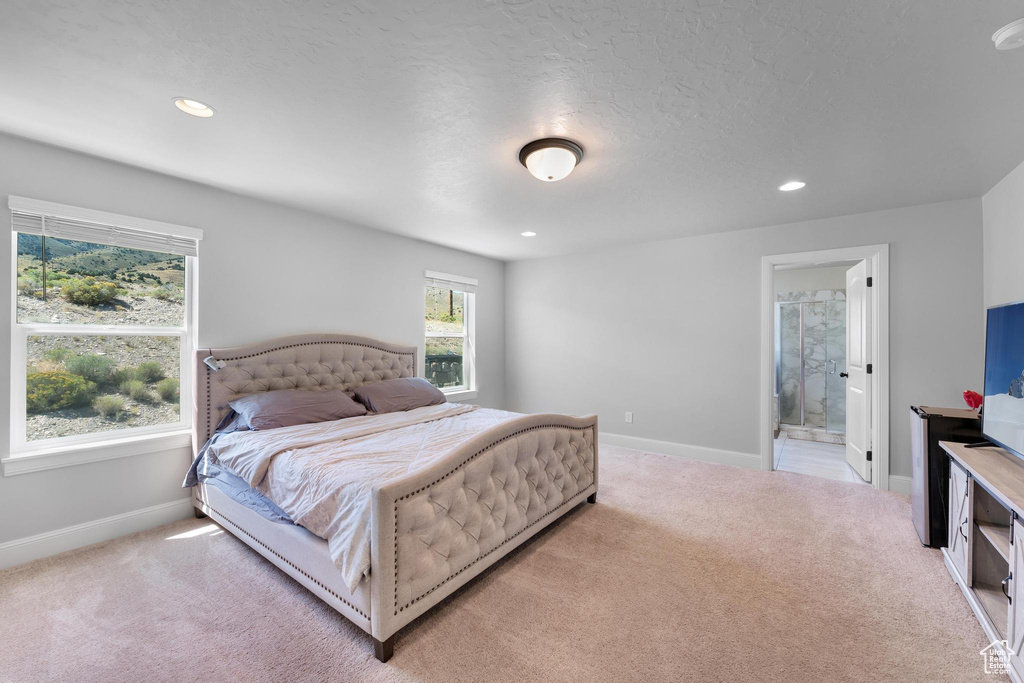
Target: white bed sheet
{"type": "Point", "coordinates": [322, 474]}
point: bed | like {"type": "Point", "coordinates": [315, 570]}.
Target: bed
{"type": "Point", "coordinates": [433, 528]}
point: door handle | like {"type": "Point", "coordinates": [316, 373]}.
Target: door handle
{"type": "Point", "coordinates": [835, 366]}
{"type": "Point", "coordinates": [844, 374]}
{"type": "Point", "coordinates": [1003, 586]}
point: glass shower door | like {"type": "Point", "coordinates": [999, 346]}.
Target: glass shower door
{"type": "Point", "coordinates": [789, 376]}
{"type": "Point", "coordinates": [815, 362]}
{"type": "Point", "coordinates": [835, 386]}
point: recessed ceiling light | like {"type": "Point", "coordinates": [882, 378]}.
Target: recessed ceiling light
{"type": "Point", "coordinates": [551, 159]}
{"type": "Point", "coordinates": [193, 107]}
{"type": "Point", "coordinates": [792, 185]}
{"type": "Point", "coordinates": [1009, 36]}
{"type": "Point", "coordinates": [528, 233]}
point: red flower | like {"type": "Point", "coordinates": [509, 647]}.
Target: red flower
{"type": "Point", "coordinates": [973, 399]}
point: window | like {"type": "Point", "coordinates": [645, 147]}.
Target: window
{"type": "Point", "coordinates": [450, 350]}
{"type": "Point", "coordinates": [104, 328]}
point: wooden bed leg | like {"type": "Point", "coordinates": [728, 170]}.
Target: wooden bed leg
{"type": "Point", "coordinates": [592, 498]}
{"type": "Point", "coordinates": [198, 513]}
{"type": "Point", "coordinates": [384, 650]}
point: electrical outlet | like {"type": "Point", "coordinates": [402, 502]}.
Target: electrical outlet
{"type": "Point", "coordinates": [629, 418]}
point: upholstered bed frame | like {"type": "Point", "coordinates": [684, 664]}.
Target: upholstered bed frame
{"type": "Point", "coordinates": [476, 504]}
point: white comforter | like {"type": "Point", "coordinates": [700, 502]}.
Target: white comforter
{"type": "Point", "coordinates": [322, 474]}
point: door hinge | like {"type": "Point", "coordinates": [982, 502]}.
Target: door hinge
{"type": "Point", "coordinates": [869, 368]}
{"type": "Point", "coordinates": [868, 455]}
{"type": "Point", "coordinates": [870, 280]}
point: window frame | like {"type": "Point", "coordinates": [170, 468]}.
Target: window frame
{"type": "Point", "coordinates": [28, 456]}
{"type": "Point", "coordinates": [468, 389]}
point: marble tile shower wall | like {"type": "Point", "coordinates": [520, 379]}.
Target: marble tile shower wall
{"type": "Point", "coordinates": [816, 295]}
{"type": "Point", "coordinates": [822, 357]}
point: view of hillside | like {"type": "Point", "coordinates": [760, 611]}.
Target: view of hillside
{"type": "Point", "coordinates": [82, 283]}
{"type": "Point", "coordinates": [444, 315]}
{"type": "Point", "coordinates": [84, 383]}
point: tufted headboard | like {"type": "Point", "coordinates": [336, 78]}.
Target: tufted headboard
{"type": "Point", "coordinates": [314, 361]}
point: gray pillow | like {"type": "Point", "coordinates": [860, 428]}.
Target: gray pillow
{"type": "Point", "coordinates": [394, 395]}
{"type": "Point", "coordinates": [288, 407]}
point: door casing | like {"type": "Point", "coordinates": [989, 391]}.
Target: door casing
{"type": "Point", "coordinates": [878, 255]}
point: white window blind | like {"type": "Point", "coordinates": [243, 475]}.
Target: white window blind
{"type": "Point", "coordinates": [54, 220]}
{"type": "Point", "coordinates": [456, 282]}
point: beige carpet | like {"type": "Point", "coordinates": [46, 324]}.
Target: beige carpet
{"type": "Point", "coordinates": [682, 571]}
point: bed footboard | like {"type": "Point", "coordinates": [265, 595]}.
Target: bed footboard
{"type": "Point", "coordinates": [437, 528]}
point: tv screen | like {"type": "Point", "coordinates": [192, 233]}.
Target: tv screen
{"type": "Point", "coordinates": [1003, 420]}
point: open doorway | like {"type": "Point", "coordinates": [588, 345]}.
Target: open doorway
{"type": "Point", "coordinates": [824, 385]}
{"type": "Point", "coordinates": [809, 401]}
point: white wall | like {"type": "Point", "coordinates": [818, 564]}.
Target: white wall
{"type": "Point", "coordinates": [265, 270]}
{"type": "Point", "coordinates": [1004, 240]}
{"type": "Point", "coordinates": [810, 279]}
{"type": "Point", "coordinates": [670, 330]}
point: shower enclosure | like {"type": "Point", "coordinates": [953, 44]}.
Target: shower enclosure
{"type": "Point", "coordinates": [810, 354]}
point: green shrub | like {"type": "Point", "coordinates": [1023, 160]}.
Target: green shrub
{"type": "Point", "coordinates": [168, 389]}
{"type": "Point", "coordinates": [93, 367]}
{"type": "Point", "coordinates": [88, 291]}
{"type": "Point", "coordinates": [110, 407]}
{"type": "Point", "coordinates": [57, 354]}
{"type": "Point", "coordinates": [166, 293]}
{"type": "Point", "coordinates": [137, 390]}
{"type": "Point", "coordinates": [150, 371]}
{"type": "Point", "coordinates": [27, 286]}
{"type": "Point", "coordinates": [49, 391]}
{"type": "Point", "coordinates": [122, 375]}
{"type": "Point", "coordinates": [444, 349]}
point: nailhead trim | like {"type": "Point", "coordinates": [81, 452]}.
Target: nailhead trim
{"type": "Point", "coordinates": [287, 561]}
{"type": "Point", "coordinates": [319, 343]}
{"type": "Point", "coordinates": [209, 421]}
{"type": "Point", "coordinates": [442, 478]}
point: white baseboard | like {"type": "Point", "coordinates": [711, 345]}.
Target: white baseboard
{"type": "Point", "coordinates": [899, 484]}
{"type": "Point", "coordinates": [683, 450]}
{"type": "Point", "coordinates": [49, 543]}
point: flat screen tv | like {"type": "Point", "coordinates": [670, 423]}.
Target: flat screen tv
{"type": "Point", "coordinates": [1003, 418]}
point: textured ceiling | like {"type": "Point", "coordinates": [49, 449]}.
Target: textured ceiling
{"type": "Point", "coordinates": [408, 117]}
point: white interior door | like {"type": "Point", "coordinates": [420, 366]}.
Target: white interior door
{"type": "Point", "coordinates": [858, 379]}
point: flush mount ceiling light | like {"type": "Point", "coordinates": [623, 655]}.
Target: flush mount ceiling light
{"type": "Point", "coordinates": [1009, 36]}
{"type": "Point", "coordinates": [792, 185]}
{"type": "Point", "coordinates": [550, 159]}
{"type": "Point", "coordinates": [193, 107]}
{"type": "Point", "coordinates": [528, 233]}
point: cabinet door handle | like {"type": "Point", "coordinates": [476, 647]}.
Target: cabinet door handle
{"type": "Point", "coordinates": [1003, 586]}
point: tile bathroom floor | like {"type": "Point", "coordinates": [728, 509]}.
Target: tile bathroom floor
{"type": "Point", "coordinates": [816, 459]}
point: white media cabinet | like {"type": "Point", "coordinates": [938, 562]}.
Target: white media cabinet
{"type": "Point", "coordinates": [985, 549]}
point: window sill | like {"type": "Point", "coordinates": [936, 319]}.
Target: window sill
{"type": "Point", "coordinates": [458, 395]}
{"type": "Point", "coordinates": [37, 460]}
